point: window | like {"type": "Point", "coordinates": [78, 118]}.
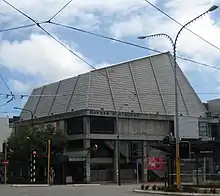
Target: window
{"type": "Point", "coordinates": [75, 126]}
{"type": "Point", "coordinates": [204, 129]}
{"type": "Point", "coordinates": [102, 125]}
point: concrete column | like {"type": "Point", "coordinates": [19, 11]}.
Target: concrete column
{"type": "Point", "coordinates": [145, 151]}
{"type": "Point", "coordinates": [116, 166]}
{"type": "Point", "coordinates": [86, 130]}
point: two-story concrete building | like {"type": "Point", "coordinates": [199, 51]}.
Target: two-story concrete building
{"type": "Point", "coordinates": [139, 93]}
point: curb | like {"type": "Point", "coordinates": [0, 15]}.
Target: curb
{"type": "Point", "coordinates": [83, 185]}
{"type": "Point", "coordinates": [172, 193]}
{"type": "Point", "coordinates": [29, 185]}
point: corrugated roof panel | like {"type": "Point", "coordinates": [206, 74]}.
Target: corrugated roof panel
{"type": "Point", "coordinates": [46, 101]}
{"type": "Point", "coordinates": [66, 89]}
{"type": "Point", "coordinates": [92, 90]}
{"type": "Point", "coordinates": [80, 94]}
{"type": "Point", "coordinates": [146, 86]}
{"type": "Point", "coordinates": [123, 88]}
{"type": "Point", "coordinates": [194, 105]}
{"type": "Point", "coordinates": [31, 104]}
{"type": "Point", "coordinates": [100, 93]}
{"type": "Point", "coordinates": [165, 77]}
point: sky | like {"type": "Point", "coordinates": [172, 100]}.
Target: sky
{"type": "Point", "coordinates": [30, 58]}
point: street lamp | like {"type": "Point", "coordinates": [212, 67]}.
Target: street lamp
{"type": "Point", "coordinates": [23, 109]}
{"type": "Point", "coordinates": [118, 173]}
{"type": "Point", "coordinates": [174, 45]}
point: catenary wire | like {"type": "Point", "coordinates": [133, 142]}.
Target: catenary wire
{"type": "Point", "coordinates": [83, 94]}
{"type": "Point", "coordinates": [7, 86]}
{"type": "Point", "coordinates": [16, 28]}
{"type": "Point", "coordinates": [60, 10]}
{"type": "Point", "coordinates": [173, 19]}
{"type": "Point", "coordinates": [7, 102]}
{"type": "Point", "coordinates": [113, 39]}
{"type": "Point", "coordinates": [38, 24]}
{"type": "Point", "coordinates": [75, 29]}
{"type": "Point", "coordinates": [131, 44]}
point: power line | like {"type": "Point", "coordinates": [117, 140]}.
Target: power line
{"type": "Point", "coordinates": [113, 39]}
{"type": "Point", "coordinates": [9, 112]}
{"type": "Point", "coordinates": [106, 37]}
{"type": "Point", "coordinates": [173, 19]}
{"type": "Point", "coordinates": [60, 10]}
{"type": "Point", "coordinates": [7, 102]}
{"type": "Point", "coordinates": [50, 35]}
{"type": "Point", "coordinates": [6, 84]}
{"type": "Point", "coordinates": [16, 28]}
{"type": "Point", "coordinates": [131, 44]}
{"type": "Point", "coordinates": [85, 94]}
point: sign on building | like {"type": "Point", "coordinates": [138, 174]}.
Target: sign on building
{"type": "Point", "coordinates": [156, 163]}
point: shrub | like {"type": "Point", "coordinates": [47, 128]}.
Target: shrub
{"type": "Point", "coordinates": [162, 188]}
{"type": "Point", "coordinates": [154, 187]}
{"type": "Point", "coordinates": [142, 187]}
{"type": "Point", "coordinates": [189, 189]}
{"type": "Point", "coordinates": [205, 191]}
{"type": "Point", "coordinates": [171, 189]}
{"type": "Point", "coordinates": [158, 188]}
{"type": "Point", "coordinates": [146, 187]}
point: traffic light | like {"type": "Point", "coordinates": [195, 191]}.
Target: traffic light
{"type": "Point", "coordinates": [184, 150]}
{"type": "Point", "coordinates": [166, 140]}
{"type": "Point", "coordinates": [4, 147]}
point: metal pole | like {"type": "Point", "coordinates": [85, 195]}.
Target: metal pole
{"type": "Point", "coordinates": [137, 168]}
{"type": "Point", "coordinates": [176, 123]}
{"type": "Point", "coordinates": [118, 154]}
{"type": "Point", "coordinates": [5, 165]}
{"type": "Point", "coordinates": [174, 44]}
{"type": "Point", "coordinates": [34, 166]}
{"type": "Point", "coordinates": [204, 170]}
{"type": "Point", "coordinates": [31, 165]}
{"type": "Point", "coordinates": [48, 161]}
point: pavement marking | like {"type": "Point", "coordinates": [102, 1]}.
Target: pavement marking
{"type": "Point", "coordinates": [29, 185]}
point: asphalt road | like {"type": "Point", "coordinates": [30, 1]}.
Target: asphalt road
{"type": "Point", "coordinates": [102, 190]}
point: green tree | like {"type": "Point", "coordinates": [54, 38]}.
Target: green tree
{"type": "Point", "coordinates": [22, 142]}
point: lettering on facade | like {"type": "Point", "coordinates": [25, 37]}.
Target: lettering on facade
{"type": "Point", "coordinates": [107, 113]}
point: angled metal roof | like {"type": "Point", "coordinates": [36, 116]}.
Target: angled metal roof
{"type": "Point", "coordinates": [146, 85]}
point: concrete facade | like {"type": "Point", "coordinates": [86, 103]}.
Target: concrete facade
{"type": "Point", "coordinates": [139, 93]}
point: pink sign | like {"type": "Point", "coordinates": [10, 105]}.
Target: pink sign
{"type": "Point", "coordinates": [156, 163]}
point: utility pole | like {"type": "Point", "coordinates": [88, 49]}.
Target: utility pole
{"type": "Point", "coordinates": [48, 160]}
{"type": "Point", "coordinates": [176, 122]}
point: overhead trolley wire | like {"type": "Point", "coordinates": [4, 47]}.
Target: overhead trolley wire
{"type": "Point", "coordinates": [173, 19]}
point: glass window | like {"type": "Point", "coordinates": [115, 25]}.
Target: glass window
{"type": "Point", "coordinates": [204, 129]}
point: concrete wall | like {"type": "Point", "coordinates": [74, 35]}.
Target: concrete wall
{"type": "Point", "coordinates": [142, 127]}
{"type": "Point", "coordinates": [214, 106]}
{"type": "Point", "coordinates": [5, 131]}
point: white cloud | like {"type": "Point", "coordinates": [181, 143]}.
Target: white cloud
{"type": "Point", "coordinates": [188, 45]}
{"type": "Point", "coordinates": [77, 11]}
{"type": "Point", "coordinates": [21, 87]}
{"type": "Point", "coordinates": [41, 56]}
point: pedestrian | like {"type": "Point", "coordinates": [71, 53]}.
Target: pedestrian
{"type": "Point", "coordinates": [52, 176]}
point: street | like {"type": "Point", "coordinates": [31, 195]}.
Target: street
{"type": "Point", "coordinates": [102, 190]}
